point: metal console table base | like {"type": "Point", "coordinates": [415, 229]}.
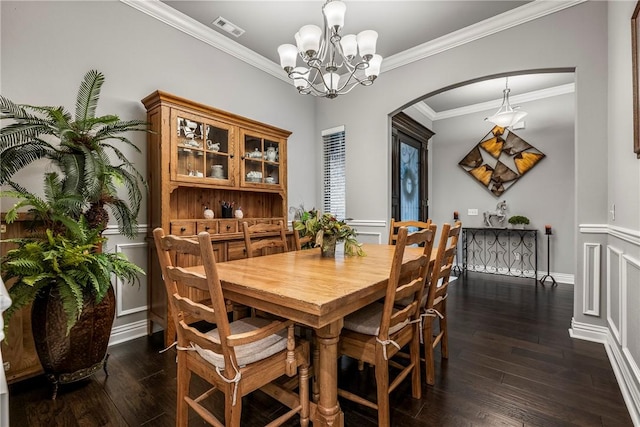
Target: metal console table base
{"type": "Point", "coordinates": [506, 251]}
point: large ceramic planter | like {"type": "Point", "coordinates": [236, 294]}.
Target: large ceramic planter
{"type": "Point", "coordinates": [67, 358]}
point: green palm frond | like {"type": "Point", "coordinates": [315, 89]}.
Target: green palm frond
{"type": "Point", "coordinates": [17, 157]}
{"type": "Point", "coordinates": [21, 133]}
{"type": "Point", "coordinates": [126, 220]}
{"type": "Point", "coordinates": [110, 131]}
{"type": "Point", "coordinates": [88, 96]}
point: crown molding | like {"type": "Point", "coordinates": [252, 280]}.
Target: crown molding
{"type": "Point", "coordinates": [523, 14]}
{"type": "Point", "coordinates": [190, 26]}
{"type": "Point", "coordinates": [512, 18]}
{"type": "Point", "coordinates": [496, 103]}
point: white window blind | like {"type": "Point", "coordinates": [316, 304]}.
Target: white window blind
{"type": "Point", "coordinates": [334, 192]}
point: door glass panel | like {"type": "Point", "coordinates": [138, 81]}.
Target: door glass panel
{"type": "Point", "coordinates": [409, 182]}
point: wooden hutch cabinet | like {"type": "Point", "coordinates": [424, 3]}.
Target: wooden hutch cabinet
{"type": "Point", "coordinates": [18, 348]}
{"type": "Point", "coordinates": [199, 156]}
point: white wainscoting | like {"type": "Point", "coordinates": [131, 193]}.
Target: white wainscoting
{"type": "Point", "coordinates": [621, 335]}
{"type": "Point", "coordinates": [133, 251]}
{"type": "Point", "coordinates": [137, 253]}
{"type": "Point", "coordinates": [622, 370]}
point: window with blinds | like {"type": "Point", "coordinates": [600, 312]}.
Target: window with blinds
{"type": "Point", "coordinates": [334, 189]}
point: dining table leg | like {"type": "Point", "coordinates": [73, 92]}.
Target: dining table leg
{"type": "Point", "coordinates": [328, 410]}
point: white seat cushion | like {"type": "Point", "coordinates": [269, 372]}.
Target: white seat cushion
{"type": "Point", "coordinates": [247, 353]}
{"type": "Point", "coordinates": [367, 320]}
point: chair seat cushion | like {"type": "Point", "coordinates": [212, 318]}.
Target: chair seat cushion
{"type": "Point", "coordinates": [367, 320]}
{"type": "Point", "coordinates": [247, 353]}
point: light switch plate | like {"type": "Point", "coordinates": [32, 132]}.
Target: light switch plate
{"type": "Point", "coordinates": [472, 212]}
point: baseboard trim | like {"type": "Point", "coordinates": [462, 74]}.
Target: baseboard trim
{"type": "Point", "coordinates": [128, 332]}
{"type": "Point", "coordinates": [626, 381]}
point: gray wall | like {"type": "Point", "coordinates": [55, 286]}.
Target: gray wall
{"type": "Point", "coordinates": [545, 194]}
{"type": "Point", "coordinates": [48, 46]}
{"type": "Point", "coordinates": [573, 38]}
{"type": "Point", "coordinates": [578, 40]}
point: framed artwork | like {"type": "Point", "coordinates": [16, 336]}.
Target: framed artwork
{"type": "Point", "coordinates": [635, 56]}
{"type": "Point", "coordinates": [500, 159]}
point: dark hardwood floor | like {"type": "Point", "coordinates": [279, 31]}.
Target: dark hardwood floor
{"type": "Point", "coordinates": [512, 363]}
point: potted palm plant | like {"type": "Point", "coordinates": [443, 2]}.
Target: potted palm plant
{"type": "Point", "coordinates": [61, 262]}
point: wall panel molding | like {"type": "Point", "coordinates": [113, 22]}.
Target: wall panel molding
{"type": "Point", "coordinates": [591, 275]}
{"type": "Point", "coordinates": [120, 310]}
{"type": "Point", "coordinates": [629, 309]}
{"type": "Point", "coordinates": [614, 261]}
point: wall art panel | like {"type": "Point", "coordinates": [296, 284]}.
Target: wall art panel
{"type": "Point", "coordinates": [500, 159]}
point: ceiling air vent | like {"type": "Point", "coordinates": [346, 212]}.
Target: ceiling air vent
{"type": "Point", "coordinates": [227, 26]}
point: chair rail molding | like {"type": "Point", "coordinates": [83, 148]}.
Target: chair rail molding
{"type": "Point", "coordinates": [112, 230]}
{"type": "Point", "coordinates": [626, 234]}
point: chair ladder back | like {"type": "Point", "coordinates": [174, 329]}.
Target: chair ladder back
{"type": "Point", "coordinates": [444, 262]}
{"type": "Point", "coordinates": [194, 336]}
{"type": "Point", "coordinates": [394, 226]}
{"type": "Point", "coordinates": [197, 310]}
{"type": "Point", "coordinates": [406, 279]}
{"type": "Point", "coordinates": [300, 241]}
{"type": "Point", "coordinates": [259, 237]}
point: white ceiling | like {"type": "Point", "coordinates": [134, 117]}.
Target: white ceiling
{"type": "Point", "coordinates": [402, 26]}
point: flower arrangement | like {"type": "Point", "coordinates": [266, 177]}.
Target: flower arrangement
{"type": "Point", "coordinates": [326, 228]}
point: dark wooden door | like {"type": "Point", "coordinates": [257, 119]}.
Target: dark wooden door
{"type": "Point", "coordinates": [409, 169]}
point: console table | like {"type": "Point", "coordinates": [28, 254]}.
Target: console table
{"type": "Point", "coordinates": [506, 251]}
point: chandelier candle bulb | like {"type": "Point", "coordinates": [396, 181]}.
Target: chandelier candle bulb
{"type": "Point", "coordinates": [367, 40]}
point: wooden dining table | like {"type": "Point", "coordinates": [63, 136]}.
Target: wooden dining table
{"type": "Point", "coordinates": [317, 292]}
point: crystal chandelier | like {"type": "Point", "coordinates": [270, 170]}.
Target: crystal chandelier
{"type": "Point", "coordinates": [332, 66]}
{"type": "Point", "coordinates": [506, 116]}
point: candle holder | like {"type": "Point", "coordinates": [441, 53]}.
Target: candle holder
{"type": "Point", "coordinates": [549, 233]}
{"type": "Point", "coordinates": [456, 268]}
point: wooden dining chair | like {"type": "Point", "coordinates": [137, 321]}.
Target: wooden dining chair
{"type": "Point", "coordinates": [237, 357]}
{"type": "Point", "coordinates": [435, 308]}
{"type": "Point", "coordinates": [263, 238]}
{"type": "Point", "coordinates": [377, 332]}
{"type": "Point", "coordinates": [411, 225]}
{"type": "Point", "coordinates": [301, 241]}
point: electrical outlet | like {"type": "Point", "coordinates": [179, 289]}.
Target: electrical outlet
{"type": "Point", "coordinates": [7, 366]}
{"type": "Point", "coordinates": [472, 212]}
{"type": "Point", "coordinates": [516, 255]}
